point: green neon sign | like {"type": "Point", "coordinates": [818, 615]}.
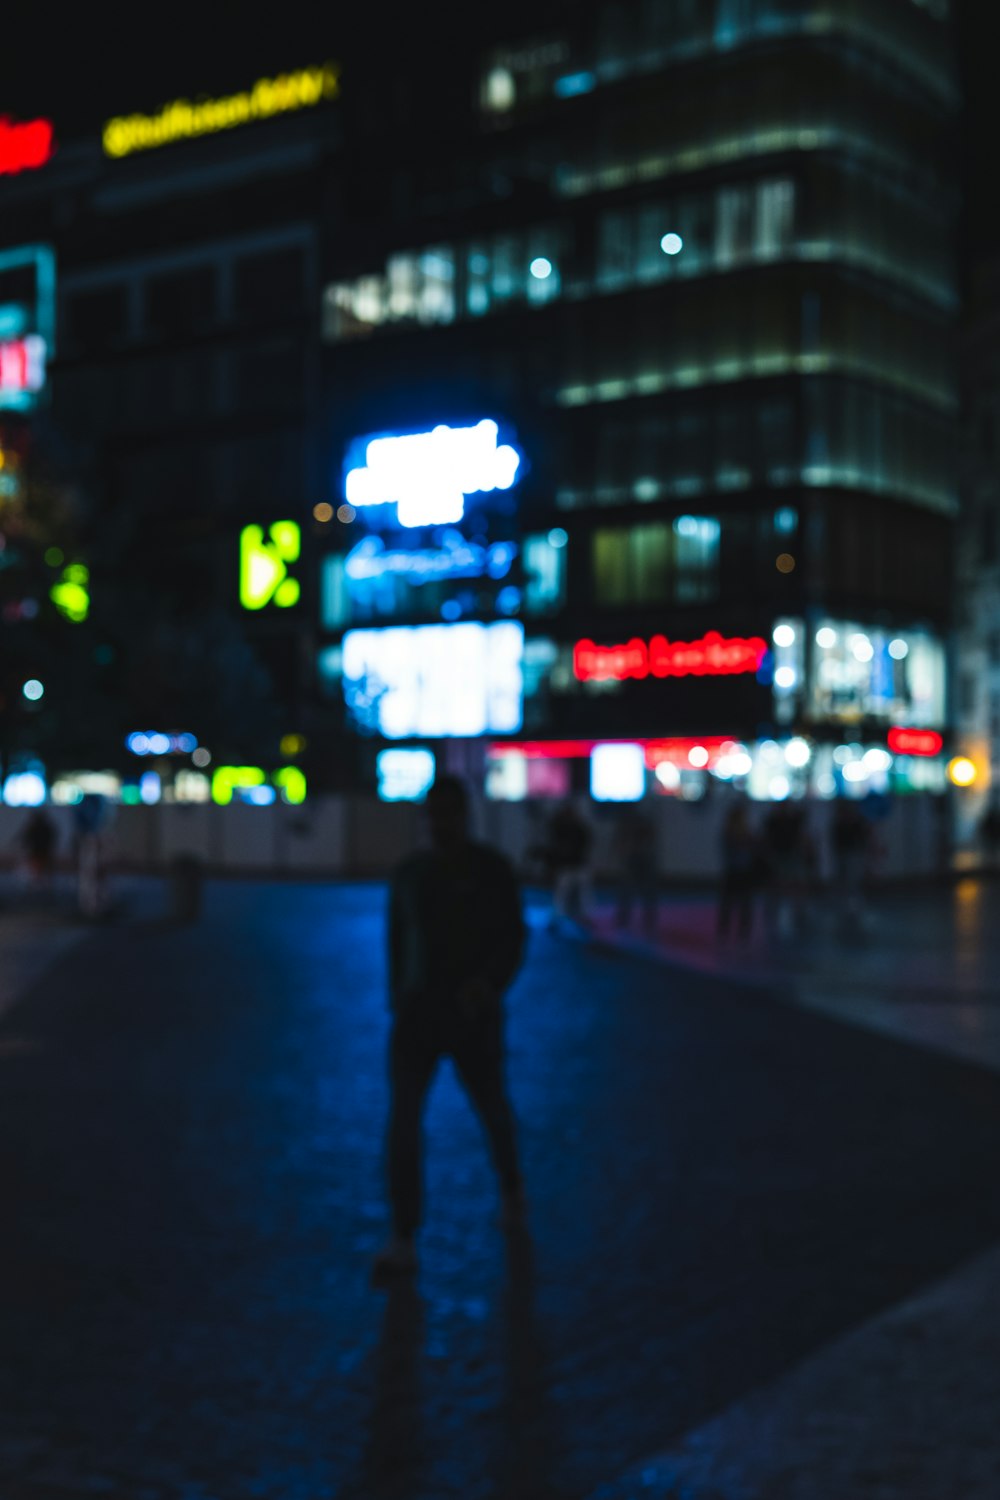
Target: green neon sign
{"type": "Point", "coordinates": [71, 594]}
{"type": "Point", "coordinates": [264, 564]}
{"type": "Point", "coordinates": [291, 782]}
{"type": "Point", "coordinates": [228, 780]}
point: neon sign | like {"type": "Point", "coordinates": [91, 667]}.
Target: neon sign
{"type": "Point", "coordinates": [427, 475]}
{"type": "Point", "coordinates": [435, 681]}
{"type": "Point", "coordinates": [185, 119]}
{"type": "Point", "coordinates": [27, 323]}
{"type": "Point", "coordinates": [915, 742]}
{"type": "Point", "coordinates": [712, 656]}
{"type": "Point", "coordinates": [370, 560]}
{"type": "Point", "coordinates": [264, 563]}
{"type": "Point", "coordinates": [24, 146]}
{"type": "Point", "coordinates": [22, 364]}
{"type": "Point", "coordinates": [250, 784]}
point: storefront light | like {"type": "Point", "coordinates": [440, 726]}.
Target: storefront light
{"type": "Point", "coordinates": [826, 638]}
{"type": "Point", "coordinates": [541, 268]}
{"type": "Point", "coordinates": [784, 635]}
{"type": "Point", "coordinates": [855, 771]}
{"type": "Point", "coordinates": [671, 244]}
{"type": "Point", "coordinates": [698, 756]}
{"type": "Point", "coordinates": [779, 788]}
{"type": "Point", "coordinates": [876, 760]}
{"type": "Point", "coordinates": [899, 650]}
{"type": "Point", "coordinates": [786, 678]}
{"type": "Point", "coordinates": [862, 648]}
{"type": "Point", "coordinates": [798, 754]}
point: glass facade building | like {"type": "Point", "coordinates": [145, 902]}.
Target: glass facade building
{"type": "Point", "coordinates": [700, 255]}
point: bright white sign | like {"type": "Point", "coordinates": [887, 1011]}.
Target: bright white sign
{"type": "Point", "coordinates": [427, 475]}
{"type": "Point", "coordinates": [435, 681]}
{"type": "Point", "coordinates": [618, 773]}
{"type": "Point", "coordinates": [405, 775]}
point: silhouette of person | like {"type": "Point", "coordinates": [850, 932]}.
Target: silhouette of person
{"type": "Point", "coordinates": [635, 851]}
{"type": "Point", "coordinates": [567, 852]}
{"type": "Point", "coordinates": [456, 939]}
{"type": "Point", "coordinates": [38, 839]}
{"type": "Point", "coordinates": [740, 871]}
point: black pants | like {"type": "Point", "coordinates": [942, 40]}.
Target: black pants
{"type": "Point", "coordinates": [416, 1048]}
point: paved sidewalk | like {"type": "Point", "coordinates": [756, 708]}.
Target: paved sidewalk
{"type": "Point", "coordinates": [926, 968]}
{"type": "Point", "coordinates": [905, 1407]}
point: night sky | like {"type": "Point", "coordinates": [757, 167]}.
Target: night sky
{"type": "Point", "coordinates": [81, 71]}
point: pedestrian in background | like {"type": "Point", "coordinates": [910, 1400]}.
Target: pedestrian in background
{"type": "Point", "coordinates": [851, 838]}
{"type": "Point", "coordinates": [38, 839]}
{"type": "Point", "coordinates": [567, 855]}
{"type": "Point", "coordinates": [787, 854]}
{"type": "Point", "coordinates": [635, 857]}
{"type": "Point", "coordinates": [456, 939]}
{"type": "Point", "coordinates": [741, 872]}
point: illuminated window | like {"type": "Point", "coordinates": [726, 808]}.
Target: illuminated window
{"type": "Point", "coordinates": [544, 567]}
{"type": "Point", "coordinates": [657, 563]}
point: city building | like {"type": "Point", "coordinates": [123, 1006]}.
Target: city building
{"type": "Point", "coordinates": [694, 264]}
{"type": "Point", "coordinates": [977, 687]}
{"type": "Point", "coordinates": [159, 333]}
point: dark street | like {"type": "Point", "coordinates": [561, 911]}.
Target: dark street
{"type": "Point", "coordinates": [191, 1140]}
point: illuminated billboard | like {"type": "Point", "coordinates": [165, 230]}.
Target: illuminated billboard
{"type": "Point", "coordinates": [27, 324]}
{"type": "Point", "coordinates": [435, 681]}
{"type": "Point", "coordinates": [187, 119]}
{"type": "Point", "coordinates": [423, 478]}
{"type": "Point", "coordinates": [264, 565]}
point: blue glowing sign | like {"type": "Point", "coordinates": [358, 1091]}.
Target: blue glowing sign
{"type": "Point", "coordinates": [371, 560]}
{"type": "Point", "coordinates": [435, 681]}
{"type": "Point", "coordinates": [427, 475]}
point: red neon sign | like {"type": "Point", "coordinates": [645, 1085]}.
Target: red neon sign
{"type": "Point", "coordinates": [915, 741]}
{"type": "Point", "coordinates": [712, 656]}
{"type": "Point", "coordinates": [23, 147]}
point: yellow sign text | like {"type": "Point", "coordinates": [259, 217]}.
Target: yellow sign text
{"type": "Point", "coordinates": [186, 119]}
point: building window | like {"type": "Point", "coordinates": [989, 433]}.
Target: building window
{"type": "Point", "coordinates": [657, 563]}
{"type": "Point", "coordinates": [544, 568]}
{"type": "Point", "coordinates": [183, 302]}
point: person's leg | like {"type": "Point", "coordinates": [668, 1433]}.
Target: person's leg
{"type": "Point", "coordinates": [479, 1061]}
{"type": "Point", "coordinates": [412, 1060]}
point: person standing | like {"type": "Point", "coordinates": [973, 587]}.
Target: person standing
{"type": "Point", "coordinates": [456, 941]}
{"type": "Point", "coordinates": [635, 853]}
{"type": "Point", "coordinates": [567, 854]}
{"type": "Point", "coordinates": [741, 860]}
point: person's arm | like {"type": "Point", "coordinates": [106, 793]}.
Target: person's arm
{"type": "Point", "coordinates": [509, 932]}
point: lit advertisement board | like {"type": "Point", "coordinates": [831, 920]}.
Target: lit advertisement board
{"type": "Point", "coordinates": [424, 478]}
{"type": "Point", "coordinates": [435, 681]}
{"type": "Point", "coordinates": [27, 324]}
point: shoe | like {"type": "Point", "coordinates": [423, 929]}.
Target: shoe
{"type": "Point", "coordinates": [397, 1258]}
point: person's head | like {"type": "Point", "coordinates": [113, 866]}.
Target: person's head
{"type": "Point", "coordinates": [447, 805]}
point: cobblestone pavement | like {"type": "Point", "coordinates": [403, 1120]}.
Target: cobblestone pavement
{"type": "Point", "coordinates": [190, 1171]}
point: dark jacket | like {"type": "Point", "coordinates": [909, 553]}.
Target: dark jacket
{"type": "Point", "coordinates": [454, 919]}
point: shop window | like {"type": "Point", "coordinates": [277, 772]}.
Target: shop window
{"type": "Point", "coordinates": [733, 226]}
